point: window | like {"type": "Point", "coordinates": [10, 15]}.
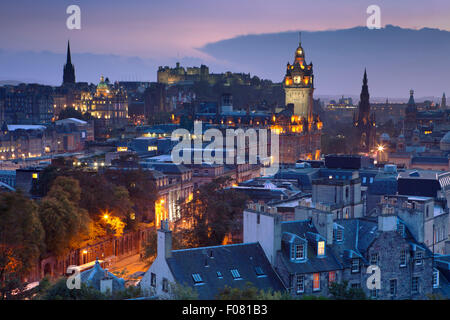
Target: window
{"type": "Point", "coordinates": [339, 234]}
{"type": "Point", "coordinates": [415, 285]}
{"type": "Point", "coordinates": [371, 180]}
{"type": "Point", "coordinates": [364, 180]}
{"type": "Point", "coordinates": [321, 248]}
{"type": "Point", "coordinates": [393, 287]}
{"type": "Point", "coordinates": [403, 258]}
{"type": "Point", "coordinates": [153, 280]}
{"type": "Point", "coordinates": [331, 277]}
{"type": "Point", "coordinates": [355, 285]}
{"type": "Point", "coordinates": [259, 272]}
{"type": "Point", "coordinates": [419, 258]}
{"type": "Point", "coordinates": [219, 275]}
{"type": "Point", "coordinates": [374, 293]}
{"type": "Point", "coordinates": [401, 229]}
{"type": "Point", "coordinates": [435, 278]}
{"type": "Point", "coordinates": [316, 281]}
{"type": "Point", "coordinates": [258, 218]}
{"type": "Point", "coordinates": [235, 273]}
{"type": "Point", "coordinates": [298, 252]}
{"type": "Point", "coordinates": [374, 258]}
{"type": "Point", "coordinates": [300, 284]}
{"type": "Point", "coordinates": [355, 265]}
{"type": "Point", "coordinates": [165, 285]}
{"type": "Point", "coordinates": [197, 278]}
{"type": "Point", "coordinates": [346, 192]}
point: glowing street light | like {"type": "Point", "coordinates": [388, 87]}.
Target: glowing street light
{"type": "Point", "coordinates": [380, 148]}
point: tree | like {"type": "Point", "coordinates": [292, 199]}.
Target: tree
{"type": "Point", "coordinates": [60, 291]}
{"type": "Point", "coordinates": [66, 225]}
{"type": "Point", "coordinates": [21, 240]}
{"type": "Point", "coordinates": [212, 214]}
{"type": "Point", "coordinates": [341, 291]}
{"type": "Point", "coordinates": [182, 292]}
{"type": "Point", "coordinates": [250, 292]}
{"type": "Point", "coordinates": [71, 112]}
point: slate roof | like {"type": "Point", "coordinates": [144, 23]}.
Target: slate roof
{"type": "Point", "coordinates": [208, 261]}
{"type": "Point", "coordinates": [358, 236]}
{"type": "Point", "coordinates": [305, 230]}
{"type": "Point", "coordinates": [92, 277]}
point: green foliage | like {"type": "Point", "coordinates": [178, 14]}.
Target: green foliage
{"type": "Point", "coordinates": [182, 292]}
{"type": "Point", "coordinates": [21, 239]}
{"type": "Point", "coordinates": [60, 291]}
{"type": "Point", "coordinates": [65, 224]}
{"type": "Point", "coordinates": [341, 291]}
{"type": "Point", "coordinates": [250, 292]}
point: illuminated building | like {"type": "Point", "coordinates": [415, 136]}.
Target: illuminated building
{"type": "Point", "coordinates": [299, 85]}
{"type": "Point", "coordinates": [108, 105]}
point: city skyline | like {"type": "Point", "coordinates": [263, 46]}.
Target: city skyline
{"type": "Point", "coordinates": [147, 35]}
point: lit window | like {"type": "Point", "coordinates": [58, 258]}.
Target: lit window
{"type": "Point", "coordinates": [35, 175]}
{"type": "Point", "coordinates": [197, 278]}
{"type": "Point", "coordinates": [235, 273]}
{"type": "Point", "coordinates": [321, 248]}
{"type": "Point", "coordinates": [300, 284]}
{"type": "Point", "coordinates": [219, 275]}
{"type": "Point", "coordinates": [316, 281]}
{"type": "Point", "coordinates": [331, 277]}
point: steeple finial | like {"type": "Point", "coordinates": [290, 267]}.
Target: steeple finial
{"type": "Point", "coordinates": [300, 37]}
{"type": "Point", "coordinates": [69, 59]}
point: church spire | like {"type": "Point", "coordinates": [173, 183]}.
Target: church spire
{"type": "Point", "coordinates": [69, 69]}
{"type": "Point", "coordinates": [69, 59]}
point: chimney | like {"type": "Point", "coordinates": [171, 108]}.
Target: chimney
{"type": "Point", "coordinates": [387, 222]}
{"type": "Point", "coordinates": [323, 221]}
{"type": "Point", "coordinates": [164, 240]}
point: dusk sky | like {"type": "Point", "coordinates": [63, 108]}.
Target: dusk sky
{"type": "Point", "coordinates": [175, 28]}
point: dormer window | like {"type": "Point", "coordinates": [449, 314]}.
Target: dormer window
{"type": "Point", "coordinates": [321, 248]}
{"type": "Point", "coordinates": [339, 234]}
{"type": "Point", "coordinates": [298, 252]}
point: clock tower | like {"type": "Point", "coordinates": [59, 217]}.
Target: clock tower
{"type": "Point", "coordinates": [298, 85]}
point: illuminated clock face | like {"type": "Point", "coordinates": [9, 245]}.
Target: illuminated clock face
{"type": "Point", "coordinates": [297, 79]}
